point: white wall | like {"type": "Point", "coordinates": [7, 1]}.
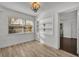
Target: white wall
{"type": "Point", "coordinates": [11, 39]}
{"type": "Point", "coordinates": [50, 40]}
{"type": "Point", "coordinates": [54, 41]}
{"type": "Point", "coordinates": [78, 31]}
{"type": "Point", "coordinates": [69, 20]}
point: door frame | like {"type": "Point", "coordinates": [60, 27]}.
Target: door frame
{"type": "Point", "coordinates": [68, 10]}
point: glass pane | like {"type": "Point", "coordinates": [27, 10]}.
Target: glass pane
{"type": "Point", "coordinates": [28, 26]}
{"type": "Point", "coordinates": [16, 25]}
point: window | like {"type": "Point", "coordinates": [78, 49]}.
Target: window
{"type": "Point", "coordinates": [28, 26]}
{"type": "Point", "coordinates": [18, 25]}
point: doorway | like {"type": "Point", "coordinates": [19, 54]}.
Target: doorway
{"type": "Point", "coordinates": [68, 31]}
{"type": "Point", "coordinates": [61, 35]}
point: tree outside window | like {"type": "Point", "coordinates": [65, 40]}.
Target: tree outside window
{"type": "Point", "coordinates": [18, 25]}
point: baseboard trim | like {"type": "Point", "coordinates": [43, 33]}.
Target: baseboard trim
{"type": "Point", "coordinates": [9, 45]}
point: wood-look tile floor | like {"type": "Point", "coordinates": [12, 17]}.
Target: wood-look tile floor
{"type": "Point", "coordinates": [32, 49]}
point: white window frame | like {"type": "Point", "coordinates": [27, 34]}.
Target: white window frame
{"type": "Point", "coordinates": [25, 20]}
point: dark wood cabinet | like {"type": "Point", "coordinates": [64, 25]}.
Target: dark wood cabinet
{"type": "Point", "coordinates": [68, 44]}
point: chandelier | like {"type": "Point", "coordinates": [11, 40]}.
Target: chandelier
{"type": "Point", "coordinates": [35, 6]}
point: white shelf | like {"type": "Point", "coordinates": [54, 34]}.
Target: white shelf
{"type": "Point", "coordinates": [46, 33]}
{"type": "Point", "coordinates": [45, 26]}
{"type": "Point", "coordinates": [44, 23]}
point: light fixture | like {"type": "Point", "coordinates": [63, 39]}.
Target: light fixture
{"type": "Point", "coordinates": [35, 6]}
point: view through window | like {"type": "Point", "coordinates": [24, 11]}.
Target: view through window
{"type": "Point", "coordinates": [18, 25]}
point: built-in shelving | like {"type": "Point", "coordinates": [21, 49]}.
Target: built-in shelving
{"type": "Point", "coordinates": [45, 26]}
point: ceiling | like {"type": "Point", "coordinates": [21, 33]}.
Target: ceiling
{"type": "Point", "coordinates": [25, 7]}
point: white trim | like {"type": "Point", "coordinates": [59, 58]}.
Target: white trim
{"type": "Point", "coordinates": [69, 10]}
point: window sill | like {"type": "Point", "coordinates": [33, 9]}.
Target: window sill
{"type": "Point", "coordinates": [21, 33]}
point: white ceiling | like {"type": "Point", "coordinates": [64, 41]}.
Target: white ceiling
{"type": "Point", "coordinates": [25, 7]}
